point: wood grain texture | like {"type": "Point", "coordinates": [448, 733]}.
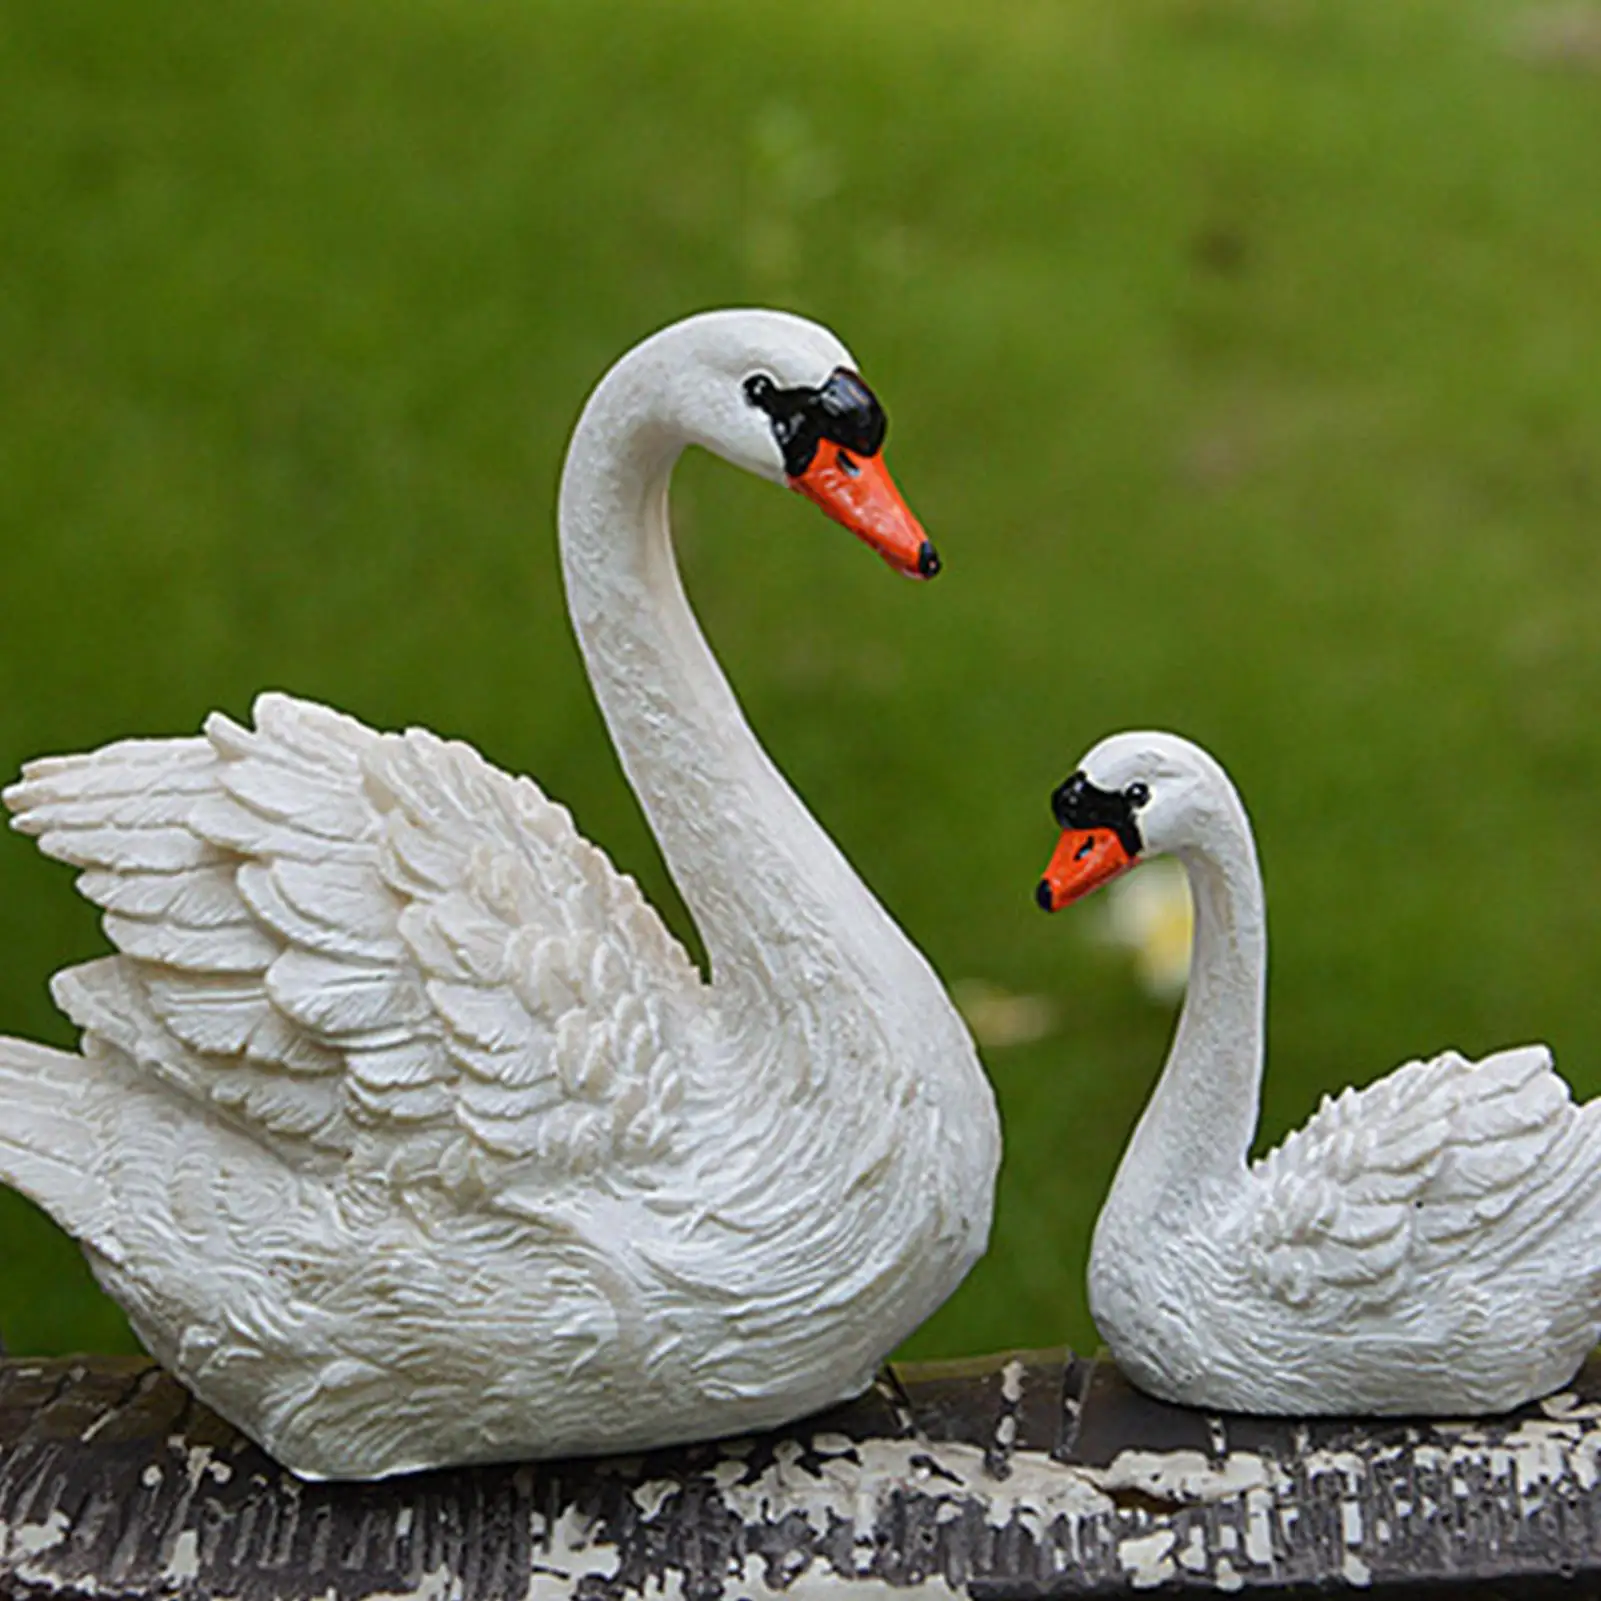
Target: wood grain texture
{"type": "Point", "coordinates": [1025, 1476]}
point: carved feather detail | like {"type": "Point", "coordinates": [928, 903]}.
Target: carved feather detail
{"type": "Point", "coordinates": [308, 898]}
{"type": "Point", "coordinates": [1388, 1185]}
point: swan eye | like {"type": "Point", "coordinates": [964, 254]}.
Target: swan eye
{"type": "Point", "coordinates": [1137, 793]}
{"type": "Point", "coordinates": [846, 465]}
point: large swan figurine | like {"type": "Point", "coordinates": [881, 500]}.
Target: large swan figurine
{"type": "Point", "coordinates": [404, 1131]}
{"type": "Point", "coordinates": [1430, 1244]}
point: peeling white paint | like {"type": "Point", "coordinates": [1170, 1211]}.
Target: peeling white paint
{"type": "Point", "coordinates": [1351, 1522]}
{"type": "Point", "coordinates": [1226, 1576]}
{"type": "Point", "coordinates": [1193, 1556]}
{"type": "Point", "coordinates": [821, 1583]}
{"type": "Point", "coordinates": [1070, 1513]}
{"type": "Point", "coordinates": [1053, 1501]}
{"type": "Point", "coordinates": [438, 1584]}
{"type": "Point", "coordinates": [1538, 1454]}
{"type": "Point", "coordinates": [185, 1561]}
{"type": "Point", "coordinates": [1546, 1451]}
{"type": "Point", "coordinates": [1146, 1559]}
{"type": "Point", "coordinates": [197, 1461]}
{"type": "Point", "coordinates": [1348, 1464]}
{"type": "Point", "coordinates": [1568, 1407]}
{"type": "Point", "coordinates": [151, 1477]}
{"type": "Point", "coordinates": [1259, 1526]}
{"type": "Point", "coordinates": [1012, 1382]}
{"type": "Point", "coordinates": [650, 1495]}
{"type": "Point", "coordinates": [1037, 1491]}
{"type": "Point", "coordinates": [1066, 1504]}
{"type": "Point", "coordinates": [110, 1415]}
{"type": "Point", "coordinates": [828, 1443]}
{"type": "Point", "coordinates": [1356, 1571]}
{"type": "Point", "coordinates": [1183, 1476]}
{"type": "Point", "coordinates": [29, 1539]}
{"type": "Point", "coordinates": [567, 1554]}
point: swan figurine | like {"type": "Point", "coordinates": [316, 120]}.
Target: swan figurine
{"type": "Point", "coordinates": [403, 1130]}
{"type": "Point", "coordinates": [1430, 1244]}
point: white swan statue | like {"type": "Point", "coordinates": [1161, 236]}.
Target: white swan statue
{"type": "Point", "coordinates": [1430, 1244]}
{"type": "Point", "coordinates": [404, 1131]}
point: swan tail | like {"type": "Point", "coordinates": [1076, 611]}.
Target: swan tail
{"type": "Point", "coordinates": [49, 1147]}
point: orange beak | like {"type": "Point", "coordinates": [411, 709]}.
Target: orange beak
{"type": "Point", "coordinates": [1084, 859]}
{"type": "Point", "coordinates": [858, 492]}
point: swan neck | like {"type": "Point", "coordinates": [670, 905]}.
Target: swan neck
{"type": "Point", "coordinates": [1202, 1116]}
{"type": "Point", "coordinates": [763, 882]}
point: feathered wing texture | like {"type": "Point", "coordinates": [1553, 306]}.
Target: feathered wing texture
{"type": "Point", "coordinates": [49, 1149]}
{"type": "Point", "coordinates": [1411, 1175]}
{"type": "Point", "coordinates": [369, 947]}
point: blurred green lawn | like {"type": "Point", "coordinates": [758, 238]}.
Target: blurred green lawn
{"type": "Point", "coordinates": [1242, 356]}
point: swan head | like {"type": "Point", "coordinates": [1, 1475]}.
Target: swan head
{"type": "Point", "coordinates": [781, 397]}
{"type": "Point", "coordinates": [1133, 797]}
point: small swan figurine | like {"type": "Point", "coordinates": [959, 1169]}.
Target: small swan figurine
{"type": "Point", "coordinates": [1430, 1244]}
{"type": "Point", "coordinates": [404, 1131]}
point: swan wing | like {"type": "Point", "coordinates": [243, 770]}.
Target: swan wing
{"type": "Point", "coordinates": [367, 947]}
{"type": "Point", "coordinates": [1442, 1164]}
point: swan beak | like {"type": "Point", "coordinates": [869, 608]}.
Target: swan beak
{"type": "Point", "coordinates": [1084, 860]}
{"type": "Point", "coordinates": [858, 492]}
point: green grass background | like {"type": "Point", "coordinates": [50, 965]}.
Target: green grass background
{"type": "Point", "coordinates": [1242, 356]}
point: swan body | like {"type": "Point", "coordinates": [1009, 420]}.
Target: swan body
{"type": "Point", "coordinates": [1430, 1244]}
{"type": "Point", "coordinates": [402, 1128]}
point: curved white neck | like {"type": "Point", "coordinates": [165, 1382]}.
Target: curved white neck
{"type": "Point", "coordinates": [1203, 1113]}
{"type": "Point", "coordinates": [776, 904]}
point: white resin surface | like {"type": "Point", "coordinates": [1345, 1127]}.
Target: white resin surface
{"type": "Point", "coordinates": [1430, 1244]}
{"type": "Point", "coordinates": [405, 1132]}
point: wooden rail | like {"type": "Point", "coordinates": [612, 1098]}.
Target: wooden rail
{"type": "Point", "coordinates": [1033, 1475]}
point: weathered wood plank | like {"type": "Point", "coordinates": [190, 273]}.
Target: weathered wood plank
{"type": "Point", "coordinates": [1026, 1476]}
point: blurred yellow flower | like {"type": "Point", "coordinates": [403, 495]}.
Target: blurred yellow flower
{"type": "Point", "coordinates": [1148, 913]}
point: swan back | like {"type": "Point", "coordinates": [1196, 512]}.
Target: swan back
{"type": "Point", "coordinates": [1442, 1169]}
